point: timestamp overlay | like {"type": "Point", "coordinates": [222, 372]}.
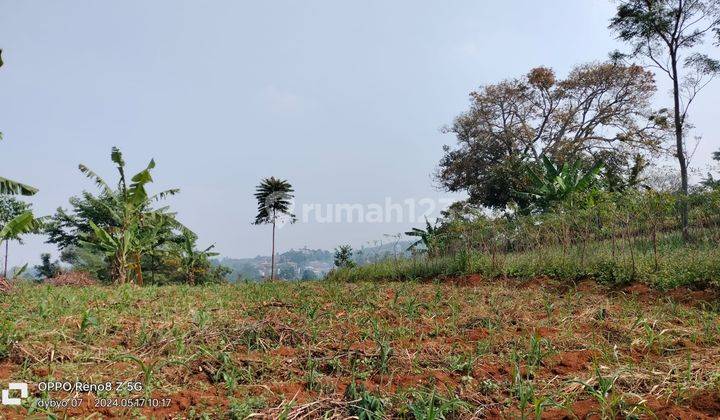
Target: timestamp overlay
{"type": "Point", "coordinates": [86, 396]}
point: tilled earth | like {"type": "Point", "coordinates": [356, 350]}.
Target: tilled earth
{"type": "Point", "coordinates": [461, 348]}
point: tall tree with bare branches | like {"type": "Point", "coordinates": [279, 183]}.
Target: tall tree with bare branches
{"type": "Point", "coordinates": [668, 33]}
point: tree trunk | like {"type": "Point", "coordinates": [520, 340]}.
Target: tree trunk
{"type": "Point", "coordinates": [139, 270]}
{"type": "Point", "coordinates": [680, 152]}
{"type": "Point", "coordinates": [120, 273]}
{"type": "Point", "coordinates": [7, 242]}
{"type": "Point", "coordinates": [272, 256]}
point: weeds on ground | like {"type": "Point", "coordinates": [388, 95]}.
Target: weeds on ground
{"type": "Point", "coordinates": [430, 350]}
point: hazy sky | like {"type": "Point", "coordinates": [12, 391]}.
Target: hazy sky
{"type": "Point", "coordinates": [343, 98]}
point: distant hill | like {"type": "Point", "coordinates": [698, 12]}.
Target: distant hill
{"type": "Point", "coordinates": [305, 263]}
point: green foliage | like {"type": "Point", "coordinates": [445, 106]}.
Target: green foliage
{"type": "Point", "coordinates": [612, 404]}
{"type": "Point", "coordinates": [244, 408]}
{"type": "Point", "coordinates": [430, 406]}
{"type": "Point", "coordinates": [119, 235]}
{"type": "Point", "coordinates": [134, 220]}
{"type": "Point", "coordinates": [710, 182]}
{"type": "Point", "coordinates": [430, 239]}
{"type": "Point", "coordinates": [287, 272]}
{"type": "Point", "coordinates": [66, 228]}
{"type": "Point", "coordinates": [16, 216]}
{"type": "Point", "coordinates": [559, 183]}
{"type": "Point", "coordinates": [10, 187]}
{"type": "Point", "coordinates": [47, 267]}
{"type": "Point", "coordinates": [622, 238]}
{"type": "Point", "coordinates": [274, 198]}
{"type": "Point", "coordinates": [10, 208]}
{"type": "Point", "coordinates": [19, 225]}
{"type": "Point", "coordinates": [343, 257]}
{"type": "Point", "coordinates": [363, 404]}
{"type": "Point", "coordinates": [192, 262]}
{"type": "Point", "coordinates": [669, 35]}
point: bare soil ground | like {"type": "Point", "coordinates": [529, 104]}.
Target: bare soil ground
{"type": "Point", "coordinates": [463, 348]}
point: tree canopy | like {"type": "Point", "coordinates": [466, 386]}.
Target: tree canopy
{"type": "Point", "coordinates": [119, 234]}
{"type": "Point", "coordinates": [599, 110]}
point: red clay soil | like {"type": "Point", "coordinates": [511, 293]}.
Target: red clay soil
{"type": "Point", "coordinates": [708, 403]}
{"type": "Point", "coordinates": [705, 405]}
{"type": "Point", "coordinates": [495, 371]}
{"type": "Point", "coordinates": [570, 362]}
{"type": "Point", "coordinates": [581, 409]}
{"type": "Point", "coordinates": [702, 406]}
{"type": "Point", "coordinates": [680, 294]}
{"type": "Point", "coordinates": [472, 280]}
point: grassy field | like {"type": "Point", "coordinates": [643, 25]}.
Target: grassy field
{"type": "Point", "coordinates": [460, 348]}
{"type": "Point", "coordinates": [669, 264]}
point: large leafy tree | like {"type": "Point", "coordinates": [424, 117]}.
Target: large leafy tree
{"type": "Point", "coordinates": [131, 220]}
{"type": "Point", "coordinates": [67, 227]}
{"type": "Point", "coordinates": [668, 33]}
{"type": "Point", "coordinates": [510, 126]}
{"type": "Point", "coordinates": [274, 198]}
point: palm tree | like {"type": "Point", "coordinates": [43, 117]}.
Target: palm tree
{"type": "Point", "coordinates": [274, 197]}
{"type": "Point", "coordinates": [130, 208]}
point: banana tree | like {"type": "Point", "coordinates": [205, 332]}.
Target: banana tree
{"type": "Point", "coordinates": [558, 183]}
{"type": "Point", "coordinates": [157, 235]}
{"type": "Point", "coordinates": [130, 208]}
{"type": "Point", "coordinates": [19, 225]}
{"type": "Point", "coordinates": [429, 238]}
{"type": "Point", "coordinates": [191, 260]}
{"type": "Point", "coordinates": [8, 186]}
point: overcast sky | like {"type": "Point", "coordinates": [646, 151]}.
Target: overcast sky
{"type": "Point", "coordinates": [343, 98]}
